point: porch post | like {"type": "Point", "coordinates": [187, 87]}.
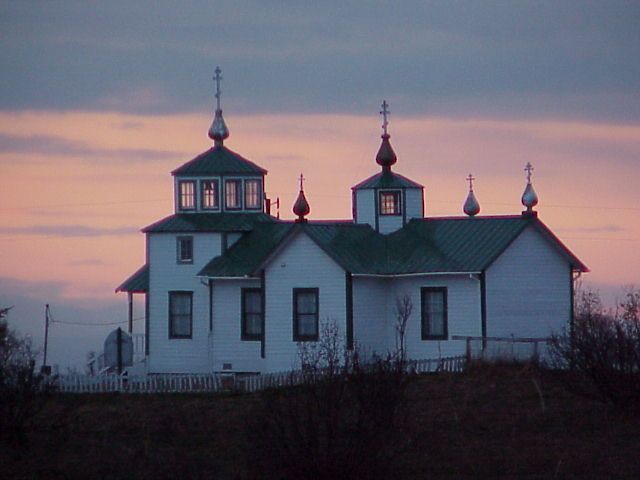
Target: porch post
{"type": "Point", "coordinates": [130, 298]}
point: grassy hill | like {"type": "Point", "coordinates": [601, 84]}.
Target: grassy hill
{"type": "Point", "coordinates": [489, 422]}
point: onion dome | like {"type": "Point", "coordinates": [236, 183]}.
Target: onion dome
{"type": "Point", "coordinates": [218, 130]}
{"type": "Point", "coordinates": [386, 156]}
{"type": "Point", "coordinates": [301, 207]}
{"type": "Point", "coordinates": [529, 197]}
{"type": "Point", "coordinates": [471, 205]}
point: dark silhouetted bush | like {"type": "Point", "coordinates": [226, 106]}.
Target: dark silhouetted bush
{"type": "Point", "coordinates": [22, 390]}
{"type": "Point", "coordinates": [341, 420]}
{"type": "Point", "coordinates": [602, 349]}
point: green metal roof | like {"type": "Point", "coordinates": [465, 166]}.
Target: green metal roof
{"type": "Point", "coordinates": [208, 222]}
{"type": "Point", "coordinates": [136, 283]}
{"type": "Point", "coordinates": [387, 179]}
{"type": "Point", "coordinates": [219, 160]}
{"type": "Point", "coordinates": [434, 245]}
{"type": "Point", "coordinates": [246, 255]}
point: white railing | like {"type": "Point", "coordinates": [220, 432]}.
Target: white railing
{"type": "Point", "coordinates": [444, 364]}
{"type": "Point", "coordinates": [139, 350]}
{"type": "Point", "coordinates": [519, 349]}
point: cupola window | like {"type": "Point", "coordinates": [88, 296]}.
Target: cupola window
{"type": "Point", "coordinates": [252, 194]}
{"type": "Point", "coordinates": [232, 191]}
{"type": "Point", "coordinates": [209, 190]}
{"type": "Point", "coordinates": [390, 203]}
{"type": "Point", "coordinates": [187, 195]}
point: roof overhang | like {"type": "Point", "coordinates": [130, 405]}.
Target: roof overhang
{"type": "Point", "coordinates": [415, 274]}
{"type": "Point", "coordinates": [244, 277]}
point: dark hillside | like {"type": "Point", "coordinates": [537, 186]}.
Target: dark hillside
{"type": "Point", "coordinates": [490, 422]}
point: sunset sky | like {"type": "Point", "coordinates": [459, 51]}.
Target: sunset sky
{"type": "Point", "coordinates": [100, 101]}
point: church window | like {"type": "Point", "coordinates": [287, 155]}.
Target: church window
{"type": "Point", "coordinates": [390, 203]}
{"type": "Point", "coordinates": [434, 313]}
{"type": "Point", "coordinates": [187, 195]}
{"type": "Point", "coordinates": [180, 314]}
{"type": "Point", "coordinates": [251, 314]}
{"type": "Point", "coordinates": [305, 314]}
{"type": "Point", "coordinates": [185, 249]}
{"type": "Point", "coordinates": [252, 198]}
{"type": "Point", "coordinates": [233, 195]}
{"type": "Point", "coordinates": [209, 192]}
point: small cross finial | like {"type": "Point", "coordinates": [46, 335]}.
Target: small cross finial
{"type": "Point", "coordinates": [384, 112]}
{"type": "Point", "coordinates": [470, 179]}
{"type": "Point", "coordinates": [529, 169]}
{"type": "Point", "coordinates": [302, 179]}
{"type": "Point", "coordinates": [218, 79]}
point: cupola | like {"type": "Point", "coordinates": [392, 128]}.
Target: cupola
{"type": "Point", "coordinates": [387, 200]}
{"type": "Point", "coordinates": [219, 180]}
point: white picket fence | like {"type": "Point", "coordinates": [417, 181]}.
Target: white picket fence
{"type": "Point", "coordinates": [192, 383]}
{"type": "Point", "coordinates": [255, 383]}
{"type": "Point", "coordinates": [209, 383]}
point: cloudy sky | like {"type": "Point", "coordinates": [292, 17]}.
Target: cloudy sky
{"type": "Point", "coordinates": [100, 101]}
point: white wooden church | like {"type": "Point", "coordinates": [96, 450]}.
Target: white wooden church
{"type": "Point", "coordinates": [230, 288]}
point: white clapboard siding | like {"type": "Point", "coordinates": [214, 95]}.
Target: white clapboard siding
{"type": "Point", "coordinates": [178, 355]}
{"type": "Point", "coordinates": [302, 264]}
{"type": "Point", "coordinates": [389, 223]}
{"type": "Point", "coordinates": [414, 203]}
{"type": "Point", "coordinates": [371, 314]}
{"type": "Point", "coordinates": [227, 345]}
{"type": "Point", "coordinates": [528, 289]}
{"type": "Point", "coordinates": [464, 313]}
{"type": "Point", "coordinates": [365, 207]}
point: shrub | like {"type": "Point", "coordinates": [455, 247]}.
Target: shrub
{"type": "Point", "coordinates": [341, 420]}
{"type": "Point", "coordinates": [603, 349]}
{"type": "Point", "coordinates": [22, 390]}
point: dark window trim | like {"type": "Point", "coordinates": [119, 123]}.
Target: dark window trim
{"type": "Point", "coordinates": [305, 338]}
{"type": "Point", "coordinates": [195, 195]}
{"type": "Point", "coordinates": [171, 334]}
{"type": "Point", "coordinates": [398, 196]}
{"type": "Point", "coordinates": [244, 191]}
{"type": "Point", "coordinates": [217, 195]}
{"type": "Point", "coordinates": [243, 324]}
{"type": "Point", "coordinates": [425, 335]}
{"type": "Point", "coordinates": [179, 259]}
{"type": "Point", "coordinates": [239, 192]}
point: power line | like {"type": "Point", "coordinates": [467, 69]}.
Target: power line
{"type": "Point", "coordinates": [64, 322]}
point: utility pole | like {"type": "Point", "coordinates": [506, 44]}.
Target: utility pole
{"type": "Point", "coordinates": [46, 369]}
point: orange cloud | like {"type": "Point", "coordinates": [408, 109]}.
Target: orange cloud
{"type": "Point", "coordinates": [99, 189]}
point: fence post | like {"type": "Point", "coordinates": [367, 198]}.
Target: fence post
{"type": "Point", "coordinates": [468, 350]}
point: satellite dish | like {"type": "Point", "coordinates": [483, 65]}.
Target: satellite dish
{"type": "Point", "coordinates": [123, 353]}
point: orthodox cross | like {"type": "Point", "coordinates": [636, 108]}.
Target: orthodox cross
{"type": "Point", "coordinates": [470, 179]}
{"type": "Point", "coordinates": [218, 79]}
{"type": "Point", "coordinates": [384, 112]}
{"type": "Point", "coordinates": [528, 169]}
{"type": "Point", "coordinates": [302, 179]}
